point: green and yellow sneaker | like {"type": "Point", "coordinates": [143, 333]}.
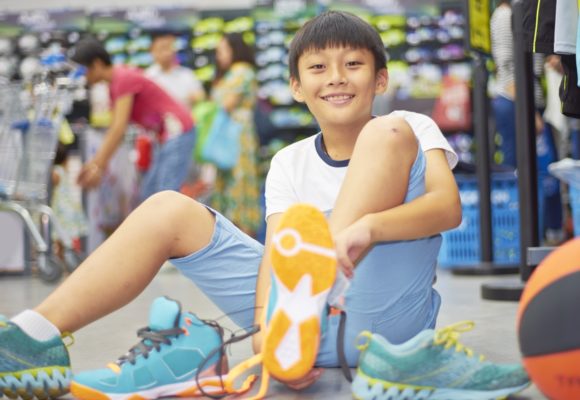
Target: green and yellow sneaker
{"type": "Point", "coordinates": [29, 368]}
{"type": "Point", "coordinates": [433, 365]}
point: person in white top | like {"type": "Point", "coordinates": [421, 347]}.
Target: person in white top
{"type": "Point", "coordinates": [179, 81]}
{"type": "Point", "coordinates": [181, 84]}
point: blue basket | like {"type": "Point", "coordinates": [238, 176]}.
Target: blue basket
{"type": "Point", "coordinates": [574, 193]}
{"type": "Point", "coordinates": [461, 245]}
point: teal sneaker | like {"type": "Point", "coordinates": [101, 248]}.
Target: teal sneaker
{"type": "Point", "coordinates": [169, 361]}
{"type": "Point", "coordinates": [433, 365]}
{"type": "Point", "coordinates": [31, 368]}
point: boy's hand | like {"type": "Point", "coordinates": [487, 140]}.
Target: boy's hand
{"type": "Point", "coordinates": [351, 243]}
{"type": "Point", "coordinates": [306, 380]}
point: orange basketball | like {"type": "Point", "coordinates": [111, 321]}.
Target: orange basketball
{"type": "Point", "coordinates": [549, 323]}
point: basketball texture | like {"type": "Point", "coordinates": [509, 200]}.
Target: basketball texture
{"type": "Point", "coordinates": [549, 323]}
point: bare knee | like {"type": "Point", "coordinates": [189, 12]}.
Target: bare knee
{"type": "Point", "coordinates": [390, 134]}
{"type": "Point", "coordinates": [185, 222]}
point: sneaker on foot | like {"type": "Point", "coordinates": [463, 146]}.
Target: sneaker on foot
{"type": "Point", "coordinates": [30, 368]}
{"type": "Point", "coordinates": [165, 363]}
{"type": "Point", "coordinates": [303, 272]}
{"type": "Point", "coordinates": [433, 365]}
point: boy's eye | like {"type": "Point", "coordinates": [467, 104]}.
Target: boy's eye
{"type": "Point", "coordinates": [316, 66]}
{"type": "Point", "coordinates": [353, 63]}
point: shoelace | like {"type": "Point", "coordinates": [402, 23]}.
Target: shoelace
{"type": "Point", "coordinates": [228, 385]}
{"type": "Point", "coordinates": [150, 340]}
{"type": "Point", "coordinates": [221, 352]}
{"type": "Point", "coordinates": [244, 366]}
{"type": "Point", "coordinates": [340, 347]}
{"type": "Point", "coordinates": [448, 337]}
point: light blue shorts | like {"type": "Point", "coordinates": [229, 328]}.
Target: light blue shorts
{"type": "Point", "coordinates": [384, 297]}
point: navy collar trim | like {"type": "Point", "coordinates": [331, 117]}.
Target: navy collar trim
{"type": "Point", "coordinates": [325, 157]}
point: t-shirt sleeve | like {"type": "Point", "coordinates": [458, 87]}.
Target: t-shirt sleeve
{"type": "Point", "coordinates": [429, 135]}
{"type": "Point", "coordinates": [279, 193]}
{"type": "Point", "coordinates": [127, 82]}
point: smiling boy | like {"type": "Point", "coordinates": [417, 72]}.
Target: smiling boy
{"type": "Point", "coordinates": [385, 184]}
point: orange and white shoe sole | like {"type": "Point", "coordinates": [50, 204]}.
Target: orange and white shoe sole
{"type": "Point", "coordinates": [304, 269]}
{"type": "Point", "coordinates": [210, 385]}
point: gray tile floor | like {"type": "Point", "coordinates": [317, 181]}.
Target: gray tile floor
{"type": "Point", "coordinates": [105, 340]}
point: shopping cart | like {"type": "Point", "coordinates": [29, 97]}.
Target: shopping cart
{"type": "Point", "coordinates": [29, 124]}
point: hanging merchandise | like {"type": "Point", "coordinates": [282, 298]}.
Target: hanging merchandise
{"type": "Point", "coordinates": [127, 34]}
{"type": "Point", "coordinates": [452, 110]}
{"type": "Point", "coordinates": [569, 91]}
{"type": "Point", "coordinates": [275, 26]}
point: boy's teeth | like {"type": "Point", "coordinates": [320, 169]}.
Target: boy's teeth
{"type": "Point", "coordinates": [341, 97]}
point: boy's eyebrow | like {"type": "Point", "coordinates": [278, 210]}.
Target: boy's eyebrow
{"type": "Point", "coordinates": [317, 50]}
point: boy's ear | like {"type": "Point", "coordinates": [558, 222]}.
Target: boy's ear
{"type": "Point", "coordinates": [296, 90]}
{"type": "Point", "coordinates": [382, 81]}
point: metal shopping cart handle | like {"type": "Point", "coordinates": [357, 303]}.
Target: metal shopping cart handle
{"type": "Point", "coordinates": [22, 125]}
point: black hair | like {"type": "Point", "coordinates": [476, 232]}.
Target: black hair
{"type": "Point", "coordinates": [241, 52]}
{"type": "Point", "coordinates": [162, 33]}
{"type": "Point", "coordinates": [61, 154]}
{"type": "Point", "coordinates": [87, 50]}
{"type": "Point", "coordinates": [336, 29]}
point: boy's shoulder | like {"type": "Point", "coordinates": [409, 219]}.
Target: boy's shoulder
{"type": "Point", "coordinates": [419, 122]}
{"type": "Point", "coordinates": [297, 148]}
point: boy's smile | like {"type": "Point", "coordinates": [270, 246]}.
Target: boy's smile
{"type": "Point", "coordinates": [338, 84]}
{"type": "Point", "coordinates": [338, 99]}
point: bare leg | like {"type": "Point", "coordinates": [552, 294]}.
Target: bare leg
{"type": "Point", "coordinates": [378, 171]}
{"type": "Point", "coordinates": [166, 225]}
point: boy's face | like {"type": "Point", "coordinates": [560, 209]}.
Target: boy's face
{"type": "Point", "coordinates": [163, 50]}
{"type": "Point", "coordinates": [94, 72]}
{"type": "Point", "coordinates": [338, 84]}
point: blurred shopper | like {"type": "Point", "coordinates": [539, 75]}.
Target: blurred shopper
{"type": "Point", "coordinates": [502, 46]}
{"type": "Point", "coordinates": [179, 81]}
{"type": "Point", "coordinates": [66, 205]}
{"type": "Point", "coordinates": [137, 99]}
{"type": "Point", "coordinates": [237, 191]}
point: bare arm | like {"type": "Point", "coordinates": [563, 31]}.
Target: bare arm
{"type": "Point", "coordinates": [439, 209]}
{"type": "Point", "coordinates": [195, 96]}
{"type": "Point", "coordinates": [90, 174]}
{"type": "Point", "coordinates": [115, 133]}
{"type": "Point", "coordinates": [231, 101]}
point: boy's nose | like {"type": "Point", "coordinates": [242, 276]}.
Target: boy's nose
{"type": "Point", "coordinates": [337, 77]}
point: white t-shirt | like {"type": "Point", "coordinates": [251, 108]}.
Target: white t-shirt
{"type": "Point", "coordinates": [179, 82]}
{"type": "Point", "coordinates": [303, 173]}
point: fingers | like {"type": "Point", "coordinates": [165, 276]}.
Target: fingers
{"type": "Point", "coordinates": [90, 176]}
{"type": "Point", "coordinates": [344, 261]}
{"type": "Point", "coordinates": [306, 380]}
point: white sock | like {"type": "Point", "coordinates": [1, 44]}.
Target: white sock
{"type": "Point", "coordinates": [35, 325]}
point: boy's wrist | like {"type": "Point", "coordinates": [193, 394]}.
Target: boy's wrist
{"type": "Point", "coordinates": [370, 220]}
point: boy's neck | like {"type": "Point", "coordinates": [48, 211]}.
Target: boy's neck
{"type": "Point", "coordinates": [339, 141]}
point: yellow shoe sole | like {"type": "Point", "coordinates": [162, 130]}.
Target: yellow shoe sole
{"type": "Point", "coordinates": [304, 269]}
